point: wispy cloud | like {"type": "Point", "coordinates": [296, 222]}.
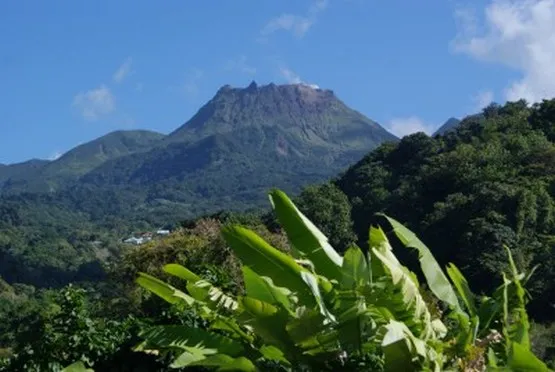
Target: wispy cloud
{"type": "Point", "coordinates": [519, 34]}
{"type": "Point", "coordinates": [296, 24]}
{"type": "Point", "coordinates": [292, 78]}
{"type": "Point", "coordinates": [482, 99]}
{"type": "Point", "coordinates": [55, 155]}
{"type": "Point", "coordinates": [405, 126]}
{"type": "Point", "coordinates": [123, 71]}
{"type": "Point", "coordinates": [95, 103]}
{"type": "Point", "coordinates": [240, 64]}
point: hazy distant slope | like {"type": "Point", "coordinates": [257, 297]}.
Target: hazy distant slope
{"type": "Point", "coordinates": [19, 171]}
{"type": "Point", "coordinates": [53, 175]}
{"type": "Point", "coordinates": [449, 125]}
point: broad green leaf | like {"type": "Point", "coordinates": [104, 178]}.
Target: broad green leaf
{"type": "Point", "coordinates": [267, 321]}
{"type": "Point", "coordinates": [205, 291]}
{"type": "Point", "coordinates": [355, 325]}
{"type": "Point", "coordinates": [181, 272]}
{"type": "Point", "coordinates": [323, 343]}
{"type": "Point", "coordinates": [402, 350]}
{"type": "Point", "coordinates": [462, 288]}
{"type": "Point", "coordinates": [378, 240]}
{"type": "Point", "coordinates": [227, 363]}
{"type": "Point", "coordinates": [271, 352]}
{"type": "Point", "coordinates": [77, 367]}
{"type": "Point", "coordinates": [265, 260]}
{"type": "Point", "coordinates": [437, 281]}
{"type": "Point", "coordinates": [306, 324]}
{"type": "Point", "coordinates": [506, 324]}
{"type": "Point", "coordinates": [398, 356]}
{"type": "Point", "coordinates": [189, 339]}
{"type": "Point", "coordinates": [305, 237]}
{"type": "Point", "coordinates": [163, 290]}
{"type": "Point", "coordinates": [355, 271]}
{"type": "Point", "coordinates": [522, 359]}
{"type": "Point", "coordinates": [492, 359]}
{"type": "Point", "coordinates": [439, 328]}
{"type": "Point", "coordinates": [312, 283]}
{"type": "Point", "coordinates": [230, 325]}
{"type": "Point", "coordinates": [263, 289]}
{"type": "Point", "coordinates": [488, 311]}
{"type": "Point", "coordinates": [467, 330]}
{"type": "Point", "coordinates": [187, 358]}
{"type": "Point", "coordinates": [412, 304]}
{"type": "Point", "coordinates": [199, 293]}
{"type": "Point", "coordinates": [520, 324]}
{"type": "Point", "coordinates": [200, 289]}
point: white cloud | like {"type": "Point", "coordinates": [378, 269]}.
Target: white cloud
{"type": "Point", "coordinates": [55, 156]}
{"type": "Point", "coordinates": [519, 34]}
{"type": "Point", "coordinates": [123, 71]}
{"type": "Point", "coordinates": [296, 24]}
{"type": "Point", "coordinates": [95, 103]}
{"type": "Point", "coordinates": [483, 99]}
{"type": "Point", "coordinates": [405, 126]}
{"type": "Point", "coordinates": [240, 64]}
{"type": "Point", "coordinates": [292, 78]}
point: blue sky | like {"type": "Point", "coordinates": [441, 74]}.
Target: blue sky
{"type": "Point", "coordinates": [73, 71]}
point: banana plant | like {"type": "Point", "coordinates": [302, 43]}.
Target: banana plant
{"type": "Point", "coordinates": [317, 307]}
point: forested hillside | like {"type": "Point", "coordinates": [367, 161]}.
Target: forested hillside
{"type": "Point", "coordinates": [487, 184]}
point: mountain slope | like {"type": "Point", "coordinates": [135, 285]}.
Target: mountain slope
{"type": "Point", "coordinates": [48, 176]}
{"type": "Point", "coordinates": [244, 141]}
{"type": "Point", "coordinates": [20, 171]}
{"type": "Point", "coordinates": [88, 156]}
{"type": "Point", "coordinates": [315, 115]}
{"type": "Point", "coordinates": [448, 126]}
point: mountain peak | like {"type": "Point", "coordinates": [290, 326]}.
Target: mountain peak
{"type": "Point", "coordinates": [253, 87]}
{"type": "Point", "coordinates": [448, 126]}
{"type": "Point", "coordinates": [303, 111]}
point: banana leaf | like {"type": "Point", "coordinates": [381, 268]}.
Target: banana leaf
{"type": "Point", "coordinates": [224, 362]}
{"type": "Point", "coordinates": [188, 339]}
{"type": "Point", "coordinates": [522, 359]}
{"type": "Point", "coordinates": [265, 260]}
{"type": "Point", "coordinates": [355, 272]}
{"type": "Point", "coordinates": [181, 272]}
{"type": "Point", "coordinates": [263, 289]}
{"type": "Point", "coordinates": [406, 302]}
{"type": "Point", "coordinates": [436, 279]}
{"type": "Point", "coordinates": [77, 367]}
{"type": "Point", "coordinates": [305, 237]}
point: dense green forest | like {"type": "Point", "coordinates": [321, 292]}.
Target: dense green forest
{"type": "Point", "coordinates": [467, 193]}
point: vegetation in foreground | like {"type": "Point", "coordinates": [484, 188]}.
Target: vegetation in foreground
{"type": "Point", "coordinates": [316, 310]}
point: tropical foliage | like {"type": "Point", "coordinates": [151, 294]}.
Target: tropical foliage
{"type": "Point", "coordinates": [317, 309]}
{"type": "Point", "coordinates": [467, 193]}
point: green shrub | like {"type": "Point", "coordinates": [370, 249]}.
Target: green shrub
{"type": "Point", "coordinates": [317, 310]}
